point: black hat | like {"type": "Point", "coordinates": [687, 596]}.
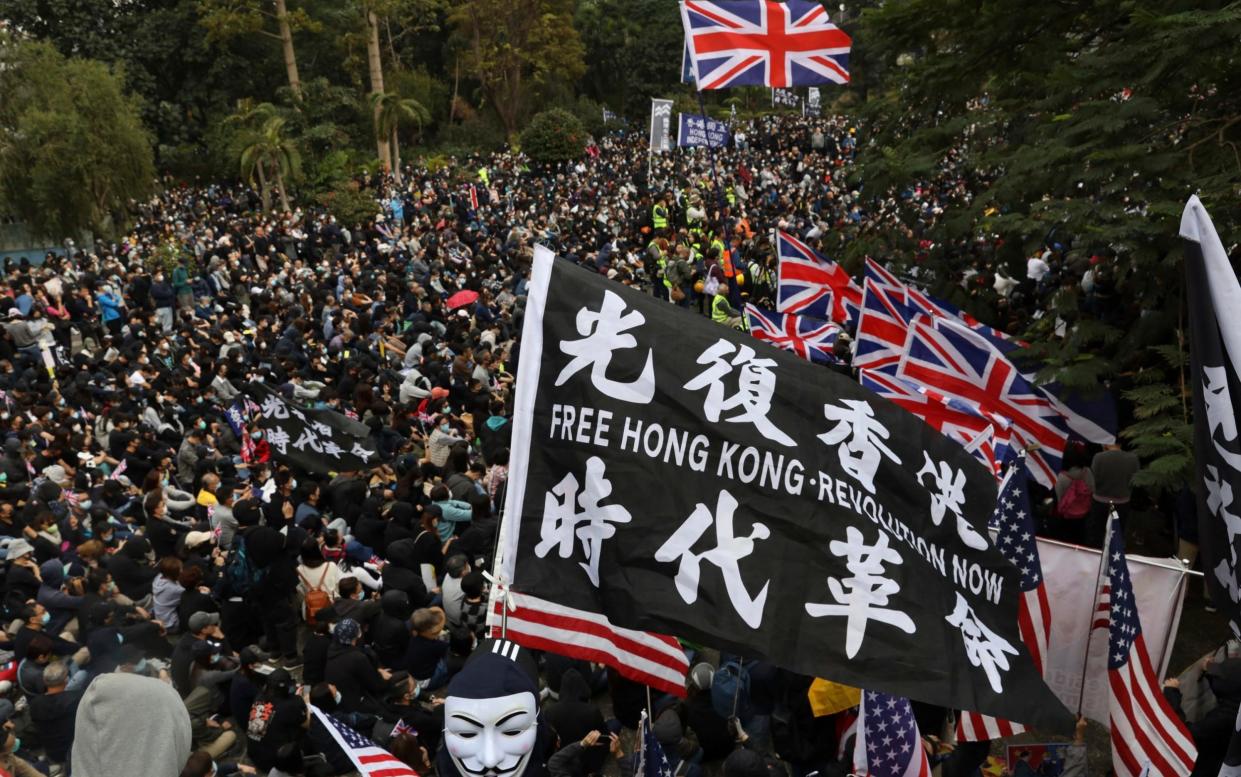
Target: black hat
{"type": "Point", "coordinates": [496, 668]}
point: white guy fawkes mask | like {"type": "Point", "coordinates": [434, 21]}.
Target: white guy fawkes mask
{"type": "Point", "coordinates": [491, 737]}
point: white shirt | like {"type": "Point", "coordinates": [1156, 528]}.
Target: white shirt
{"type": "Point", "coordinates": [1036, 268]}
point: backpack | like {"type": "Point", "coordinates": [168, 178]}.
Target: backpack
{"type": "Point", "coordinates": [1075, 503]}
{"type": "Point", "coordinates": [239, 571]}
{"type": "Point", "coordinates": [316, 598]}
{"type": "Point", "coordinates": [711, 287]}
{"type": "Point", "coordinates": [730, 691]}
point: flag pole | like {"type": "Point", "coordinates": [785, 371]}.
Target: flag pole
{"type": "Point", "coordinates": [1094, 604]}
{"type": "Point", "coordinates": [715, 175]}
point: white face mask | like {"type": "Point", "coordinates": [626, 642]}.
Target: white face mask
{"type": "Point", "coordinates": [491, 737]}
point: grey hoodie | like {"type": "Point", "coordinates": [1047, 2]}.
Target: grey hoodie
{"type": "Point", "coordinates": [127, 724]}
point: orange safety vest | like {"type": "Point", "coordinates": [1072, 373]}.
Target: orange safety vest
{"type": "Point", "coordinates": [726, 262]}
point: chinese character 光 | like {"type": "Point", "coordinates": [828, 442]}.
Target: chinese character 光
{"type": "Point", "coordinates": [864, 596]}
{"type": "Point", "coordinates": [949, 496]}
{"type": "Point", "coordinates": [983, 647]}
{"type": "Point", "coordinates": [562, 522]}
{"type": "Point", "coordinates": [273, 407]}
{"type": "Point", "coordinates": [603, 332]}
{"type": "Point", "coordinates": [728, 551]}
{"type": "Point", "coordinates": [756, 384]}
{"type": "Point", "coordinates": [860, 455]}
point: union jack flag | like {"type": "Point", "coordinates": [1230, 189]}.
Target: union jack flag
{"type": "Point", "coordinates": [938, 308]}
{"type": "Point", "coordinates": [1014, 520]}
{"type": "Point", "coordinates": [810, 284]}
{"type": "Point", "coordinates": [763, 43]}
{"type": "Point", "coordinates": [879, 274]}
{"type": "Point", "coordinates": [962, 363]}
{"type": "Point", "coordinates": [807, 337]}
{"type": "Point", "coordinates": [883, 326]}
{"type": "Point", "coordinates": [984, 435]}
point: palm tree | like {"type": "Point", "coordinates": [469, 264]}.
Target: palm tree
{"type": "Point", "coordinates": [391, 112]}
{"type": "Point", "coordinates": [271, 158]}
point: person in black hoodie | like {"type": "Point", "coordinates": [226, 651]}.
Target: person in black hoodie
{"type": "Point", "coordinates": [574, 716]}
{"type": "Point", "coordinates": [363, 684]}
{"type": "Point", "coordinates": [390, 631]}
{"type": "Point", "coordinates": [274, 596]}
{"type": "Point", "coordinates": [400, 517]}
{"type": "Point", "coordinates": [402, 573]}
{"type": "Point", "coordinates": [132, 571]}
{"type": "Point", "coordinates": [1212, 733]}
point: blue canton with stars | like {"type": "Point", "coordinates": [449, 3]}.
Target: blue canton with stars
{"type": "Point", "coordinates": [1015, 523]}
{"type": "Point", "coordinates": [892, 740]}
{"type": "Point", "coordinates": [351, 737]}
{"type": "Point", "coordinates": [654, 763]}
{"type": "Point", "coordinates": [1125, 626]}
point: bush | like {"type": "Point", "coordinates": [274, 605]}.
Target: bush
{"type": "Point", "coordinates": [350, 206]}
{"type": "Point", "coordinates": [554, 136]}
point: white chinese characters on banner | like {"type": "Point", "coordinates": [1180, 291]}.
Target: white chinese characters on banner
{"type": "Point", "coordinates": [862, 437]}
{"type": "Point", "coordinates": [604, 332]}
{"type": "Point", "coordinates": [563, 522]}
{"type": "Point", "coordinates": [756, 384]}
{"type": "Point", "coordinates": [947, 490]}
{"type": "Point", "coordinates": [728, 551]}
{"type": "Point", "coordinates": [983, 647]}
{"type": "Point", "coordinates": [864, 596]}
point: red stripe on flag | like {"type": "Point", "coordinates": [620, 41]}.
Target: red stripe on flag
{"type": "Point", "coordinates": [1121, 698]}
{"type": "Point", "coordinates": [745, 63]}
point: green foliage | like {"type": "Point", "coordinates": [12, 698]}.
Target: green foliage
{"type": "Point", "coordinates": [633, 52]}
{"type": "Point", "coordinates": [73, 151]}
{"type": "Point", "coordinates": [1093, 124]}
{"type": "Point", "coordinates": [166, 256]}
{"type": "Point", "coordinates": [554, 136]}
{"type": "Point", "coordinates": [513, 46]}
{"type": "Point", "coordinates": [350, 206]}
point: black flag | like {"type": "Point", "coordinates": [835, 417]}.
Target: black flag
{"type": "Point", "coordinates": [1215, 347]}
{"type": "Point", "coordinates": [321, 441]}
{"type": "Point", "coordinates": [673, 475]}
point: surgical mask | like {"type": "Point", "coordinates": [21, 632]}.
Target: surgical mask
{"type": "Point", "coordinates": [445, 428]}
{"type": "Point", "coordinates": [202, 424]}
{"type": "Point", "coordinates": [337, 697]}
{"type": "Point", "coordinates": [84, 504]}
{"type": "Point", "coordinates": [140, 667]}
{"type": "Point", "coordinates": [491, 737]}
{"type": "Point", "coordinates": [46, 618]}
{"type": "Point", "coordinates": [257, 435]}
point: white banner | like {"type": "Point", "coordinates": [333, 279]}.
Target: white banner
{"type": "Point", "coordinates": [661, 120]}
{"type": "Point", "coordinates": [1070, 572]}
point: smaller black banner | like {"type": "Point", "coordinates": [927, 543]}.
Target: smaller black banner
{"type": "Point", "coordinates": [320, 441]}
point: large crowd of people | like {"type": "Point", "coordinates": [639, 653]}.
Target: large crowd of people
{"type": "Point", "coordinates": [176, 597]}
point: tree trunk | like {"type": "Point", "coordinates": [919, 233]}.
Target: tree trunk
{"type": "Point", "coordinates": [396, 157]}
{"type": "Point", "coordinates": [456, 81]}
{"type": "Point", "coordinates": [286, 44]}
{"type": "Point", "coordinates": [377, 82]}
{"type": "Point", "coordinates": [284, 197]}
{"type": "Point", "coordinates": [264, 191]}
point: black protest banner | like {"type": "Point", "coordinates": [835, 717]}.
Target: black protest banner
{"type": "Point", "coordinates": [676, 476]}
{"type": "Point", "coordinates": [1215, 350]}
{"type": "Point", "coordinates": [320, 441]}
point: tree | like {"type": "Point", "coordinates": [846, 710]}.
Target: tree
{"type": "Point", "coordinates": [230, 18]}
{"type": "Point", "coordinates": [633, 52]}
{"type": "Point", "coordinates": [554, 136]}
{"type": "Point", "coordinates": [73, 152]}
{"type": "Point", "coordinates": [1086, 131]}
{"type": "Point", "coordinates": [392, 111]}
{"type": "Point", "coordinates": [268, 156]}
{"type": "Point", "coordinates": [514, 45]}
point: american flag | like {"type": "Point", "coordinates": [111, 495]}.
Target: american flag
{"type": "Point", "coordinates": [763, 43]}
{"type": "Point", "coordinates": [888, 743]}
{"type": "Point", "coordinates": [370, 759]}
{"type": "Point", "coordinates": [655, 660]}
{"type": "Point", "coordinates": [1015, 540]}
{"type": "Point", "coordinates": [984, 435]}
{"type": "Point", "coordinates": [807, 337]}
{"type": "Point", "coordinates": [883, 327]}
{"type": "Point", "coordinates": [651, 759]}
{"type": "Point", "coordinates": [1146, 732]}
{"type": "Point", "coordinates": [961, 363]}
{"type": "Point", "coordinates": [810, 284]}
